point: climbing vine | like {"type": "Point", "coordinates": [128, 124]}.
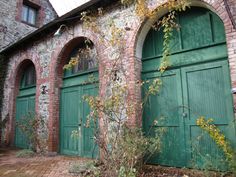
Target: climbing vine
{"type": "Point", "coordinates": [167, 23]}
{"type": "Point", "coordinates": [216, 135]}
{"type": "Point", "coordinates": [113, 110]}
{"type": "Point", "coordinates": [114, 35]}
{"type": "Point", "coordinates": [219, 138]}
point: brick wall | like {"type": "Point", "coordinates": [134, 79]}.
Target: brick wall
{"type": "Point", "coordinates": [231, 38]}
{"type": "Point", "coordinates": [232, 9]}
{"type": "Point", "coordinates": [11, 27]}
{"type": "Point", "coordinates": [49, 55]}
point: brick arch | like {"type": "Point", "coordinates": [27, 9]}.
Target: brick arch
{"type": "Point", "coordinates": [64, 54]}
{"type": "Point", "coordinates": [14, 78]}
{"type": "Point", "coordinates": [136, 42]}
{"type": "Point", "coordinates": [59, 59]}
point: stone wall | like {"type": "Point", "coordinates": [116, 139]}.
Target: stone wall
{"type": "Point", "coordinates": [49, 56]}
{"type": "Point", "coordinates": [11, 27]}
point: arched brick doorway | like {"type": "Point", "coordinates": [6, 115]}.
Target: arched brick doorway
{"type": "Point", "coordinates": [196, 84]}
{"type": "Point", "coordinates": [25, 100]}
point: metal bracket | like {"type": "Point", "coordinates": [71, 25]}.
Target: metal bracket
{"type": "Point", "coordinates": [233, 91]}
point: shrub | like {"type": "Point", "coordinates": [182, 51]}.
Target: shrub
{"type": "Point", "coordinates": [25, 153]}
{"type": "Point", "coordinates": [30, 125]}
{"type": "Point", "coordinates": [123, 147]}
{"type": "Point", "coordinates": [219, 138]}
{"type": "Point", "coordinates": [85, 168]}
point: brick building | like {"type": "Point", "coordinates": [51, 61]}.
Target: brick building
{"type": "Point", "coordinates": [15, 22]}
{"type": "Point", "coordinates": [200, 81]}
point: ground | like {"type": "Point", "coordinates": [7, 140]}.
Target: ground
{"type": "Point", "coordinates": [39, 166]}
{"type": "Point", "coordinates": [57, 166]}
{"type": "Point", "coordinates": [160, 171]}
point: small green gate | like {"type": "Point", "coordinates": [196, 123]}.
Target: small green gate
{"type": "Point", "coordinates": [197, 84]}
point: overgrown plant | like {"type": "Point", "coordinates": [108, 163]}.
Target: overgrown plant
{"type": "Point", "coordinates": [122, 145]}
{"type": "Point", "coordinates": [219, 138]}
{"type": "Point", "coordinates": [30, 124]}
{"type": "Point", "coordinates": [167, 23]}
{"type": "Point", "coordinates": [89, 168]}
{"type": "Point", "coordinates": [206, 162]}
{"type": "Point", "coordinates": [25, 153]}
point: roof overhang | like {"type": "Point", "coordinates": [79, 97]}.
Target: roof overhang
{"type": "Point", "coordinates": [54, 25]}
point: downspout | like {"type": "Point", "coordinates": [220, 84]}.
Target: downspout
{"type": "Point", "coordinates": [229, 13]}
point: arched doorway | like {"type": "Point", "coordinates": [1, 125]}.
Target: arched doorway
{"type": "Point", "coordinates": [78, 81]}
{"type": "Point", "coordinates": [197, 84]}
{"type": "Point", "coordinates": [25, 101]}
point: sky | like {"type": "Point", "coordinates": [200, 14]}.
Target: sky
{"type": "Point", "coordinates": [64, 6]}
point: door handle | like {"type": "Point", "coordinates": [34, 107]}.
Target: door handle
{"type": "Point", "coordinates": [80, 124]}
{"type": "Point", "coordinates": [184, 115]}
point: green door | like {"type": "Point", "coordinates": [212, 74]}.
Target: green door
{"type": "Point", "coordinates": [188, 93]}
{"type": "Point", "coordinates": [73, 116]}
{"type": "Point", "coordinates": [164, 108]}
{"type": "Point", "coordinates": [197, 84]}
{"type": "Point", "coordinates": [69, 120]}
{"type": "Point", "coordinates": [206, 92]}
{"type": "Point", "coordinates": [89, 147]}
{"type": "Point", "coordinates": [25, 103]}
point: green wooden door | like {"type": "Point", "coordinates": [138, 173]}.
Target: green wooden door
{"type": "Point", "coordinates": [89, 147]}
{"type": "Point", "coordinates": [25, 104]}
{"type": "Point", "coordinates": [69, 120]}
{"type": "Point", "coordinates": [188, 93]}
{"type": "Point", "coordinates": [197, 84]}
{"type": "Point", "coordinates": [73, 117]}
{"type": "Point", "coordinates": [206, 92]}
{"type": "Point", "coordinates": [164, 108]}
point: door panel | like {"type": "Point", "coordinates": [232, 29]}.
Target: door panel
{"type": "Point", "coordinates": [204, 87]}
{"type": "Point", "coordinates": [90, 149]}
{"type": "Point", "coordinates": [69, 121]}
{"type": "Point", "coordinates": [31, 105]}
{"type": "Point", "coordinates": [74, 112]}
{"type": "Point", "coordinates": [205, 90]}
{"type": "Point", "coordinates": [164, 107]}
{"type": "Point", "coordinates": [24, 105]}
{"type": "Point", "coordinates": [186, 94]}
{"type": "Point", "coordinates": [195, 28]}
{"type": "Point", "coordinates": [204, 152]}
